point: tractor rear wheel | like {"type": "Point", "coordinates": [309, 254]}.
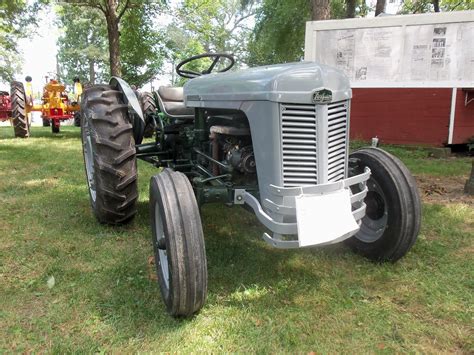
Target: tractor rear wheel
{"type": "Point", "coordinates": [19, 115]}
{"type": "Point", "coordinates": [178, 242]}
{"type": "Point", "coordinates": [109, 155]}
{"type": "Point", "coordinates": [149, 108]}
{"type": "Point", "coordinates": [393, 208]}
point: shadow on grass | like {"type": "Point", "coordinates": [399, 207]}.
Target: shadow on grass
{"type": "Point", "coordinates": [238, 261]}
{"type": "Point", "coordinates": [119, 281]}
{"type": "Point", "coordinates": [43, 132]}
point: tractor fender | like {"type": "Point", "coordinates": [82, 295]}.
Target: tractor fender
{"type": "Point", "coordinates": [130, 98]}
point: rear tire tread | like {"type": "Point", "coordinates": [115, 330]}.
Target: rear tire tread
{"type": "Point", "coordinates": [148, 107]}
{"type": "Point", "coordinates": [19, 115]}
{"type": "Point", "coordinates": [114, 154]}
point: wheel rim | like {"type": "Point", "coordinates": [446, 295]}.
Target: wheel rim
{"type": "Point", "coordinates": [162, 253]}
{"type": "Point", "coordinates": [89, 162]}
{"type": "Point", "coordinates": [376, 216]}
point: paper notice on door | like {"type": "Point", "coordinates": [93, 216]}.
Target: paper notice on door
{"type": "Point", "coordinates": [324, 219]}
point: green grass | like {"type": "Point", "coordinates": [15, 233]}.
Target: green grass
{"type": "Point", "coordinates": [105, 298]}
{"type": "Point", "coordinates": [418, 161]}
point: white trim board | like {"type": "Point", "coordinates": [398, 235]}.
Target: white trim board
{"type": "Point", "coordinates": [452, 115]}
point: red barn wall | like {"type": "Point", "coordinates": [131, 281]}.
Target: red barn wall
{"type": "Point", "coordinates": [409, 116]}
{"type": "Point", "coordinates": [464, 118]}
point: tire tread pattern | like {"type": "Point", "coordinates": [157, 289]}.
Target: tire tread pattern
{"type": "Point", "coordinates": [148, 107]}
{"type": "Point", "coordinates": [185, 243]}
{"type": "Point", "coordinates": [408, 200]}
{"type": "Point", "coordinates": [113, 152]}
{"type": "Point", "coordinates": [19, 115]}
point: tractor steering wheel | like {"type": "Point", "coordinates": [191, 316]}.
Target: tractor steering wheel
{"type": "Point", "coordinates": [190, 74]}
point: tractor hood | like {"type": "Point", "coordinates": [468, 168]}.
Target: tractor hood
{"type": "Point", "coordinates": [302, 82]}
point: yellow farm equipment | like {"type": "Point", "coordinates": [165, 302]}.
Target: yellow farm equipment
{"type": "Point", "coordinates": [55, 106]}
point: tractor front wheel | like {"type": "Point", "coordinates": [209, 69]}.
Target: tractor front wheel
{"type": "Point", "coordinates": [178, 242]}
{"type": "Point", "coordinates": [19, 115]}
{"type": "Point", "coordinates": [77, 119]}
{"type": "Point", "coordinates": [55, 126]}
{"type": "Point", "coordinates": [393, 208]}
{"type": "Point", "coordinates": [46, 122]}
{"type": "Point", "coordinates": [109, 155]}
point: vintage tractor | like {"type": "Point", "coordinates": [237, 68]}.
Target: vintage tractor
{"type": "Point", "coordinates": [56, 106]}
{"type": "Point", "coordinates": [274, 139]}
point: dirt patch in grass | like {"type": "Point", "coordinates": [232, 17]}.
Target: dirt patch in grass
{"type": "Point", "coordinates": [443, 189]}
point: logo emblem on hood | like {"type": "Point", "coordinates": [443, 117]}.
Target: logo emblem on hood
{"type": "Point", "coordinates": [322, 96]}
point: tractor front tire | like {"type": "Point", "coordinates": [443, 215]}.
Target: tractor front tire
{"type": "Point", "coordinates": [77, 119]}
{"type": "Point", "coordinates": [109, 155]}
{"type": "Point", "coordinates": [148, 108]}
{"type": "Point", "coordinates": [19, 115]}
{"type": "Point", "coordinates": [178, 242]}
{"type": "Point", "coordinates": [46, 122]}
{"type": "Point", "coordinates": [55, 127]}
{"type": "Point", "coordinates": [393, 208]}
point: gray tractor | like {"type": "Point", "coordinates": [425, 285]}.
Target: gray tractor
{"type": "Point", "coordinates": [273, 139]}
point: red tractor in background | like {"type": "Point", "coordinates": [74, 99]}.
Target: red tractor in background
{"type": "Point", "coordinates": [5, 106]}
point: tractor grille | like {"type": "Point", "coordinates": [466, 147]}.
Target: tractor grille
{"type": "Point", "coordinates": [302, 132]}
{"type": "Point", "coordinates": [298, 136]}
{"type": "Point", "coordinates": [337, 140]}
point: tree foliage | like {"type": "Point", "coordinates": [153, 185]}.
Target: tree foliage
{"type": "Point", "coordinates": [210, 26]}
{"type": "Point", "coordinates": [278, 36]}
{"type": "Point", "coordinates": [141, 44]}
{"type": "Point", "coordinates": [17, 18]}
{"type": "Point", "coordinates": [113, 12]}
{"type": "Point", "coordinates": [279, 31]}
{"type": "Point", "coordinates": [82, 45]}
{"type": "Point", "coordinates": [85, 45]}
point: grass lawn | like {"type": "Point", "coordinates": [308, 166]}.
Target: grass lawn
{"type": "Point", "coordinates": [68, 283]}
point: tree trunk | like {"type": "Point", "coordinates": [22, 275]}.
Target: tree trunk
{"type": "Point", "coordinates": [114, 43]}
{"type": "Point", "coordinates": [320, 10]}
{"type": "Point", "coordinates": [58, 69]}
{"type": "Point", "coordinates": [436, 5]}
{"type": "Point", "coordinates": [91, 72]}
{"type": "Point", "coordinates": [350, 8]}
{"type": "Point", "coordinates": [380, 7]}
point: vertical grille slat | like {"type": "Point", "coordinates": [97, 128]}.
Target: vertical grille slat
{"type": "Point", "coordinates": [298, 136]}
{"type": "Point", "coordinates": [337, 140]}
{"type": "Point", "coordinates": [302, 132]}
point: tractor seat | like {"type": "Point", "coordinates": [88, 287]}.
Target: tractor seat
{"type": "Point", "coordinates": [171, 101]}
